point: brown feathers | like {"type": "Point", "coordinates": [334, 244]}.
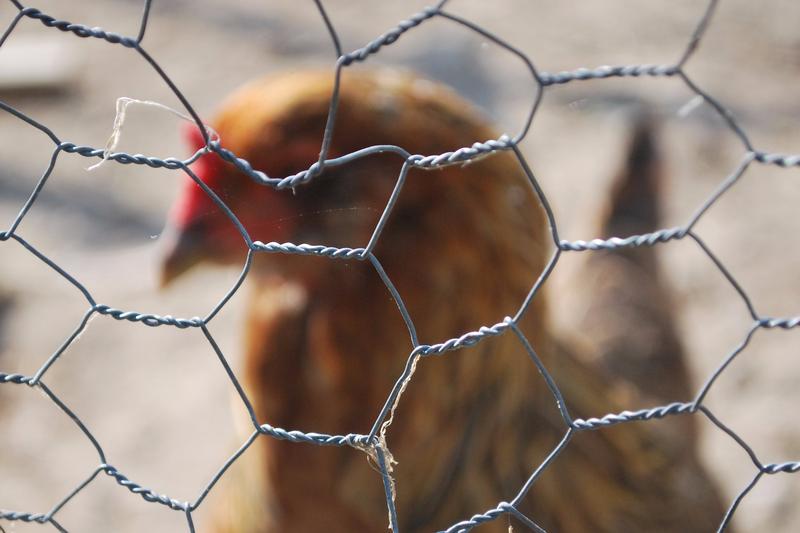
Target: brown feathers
{"type": "Point", "coordinates": [324, 342]}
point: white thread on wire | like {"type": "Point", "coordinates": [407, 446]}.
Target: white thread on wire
{"type": "Point", "coordinates": [123, 102]}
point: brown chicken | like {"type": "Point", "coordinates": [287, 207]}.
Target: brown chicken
{"type": "Point", "coordinates": [324, 341]}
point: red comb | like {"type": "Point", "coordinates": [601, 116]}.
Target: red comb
{"type": "Point", "coordinates": [208, 164]}
{"type": "Point", "coordinates": [193, 135]}
{"type": "Point", "coordinates": [193, 202]}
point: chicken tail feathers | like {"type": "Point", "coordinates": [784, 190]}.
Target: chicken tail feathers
{"type": "Point", "coordinates": [630, 320]}
{"type": "Point", "coordinates": [634, 205]}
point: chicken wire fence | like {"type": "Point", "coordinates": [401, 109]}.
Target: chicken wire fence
{"type": "Point", "coordinates": [373, 443]}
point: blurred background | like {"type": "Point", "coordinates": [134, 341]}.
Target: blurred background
{"type": "Point", "coordinates": [158, 399]}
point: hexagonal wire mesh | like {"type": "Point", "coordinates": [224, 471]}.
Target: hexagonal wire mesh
{"type": "Point", "coordinates": [372, 443]}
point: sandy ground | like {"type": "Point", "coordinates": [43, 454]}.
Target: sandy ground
{"type": "Point", "coordinates": [158, 400]}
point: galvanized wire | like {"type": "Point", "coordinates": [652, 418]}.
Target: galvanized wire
{"type": "Point", "coordinates": [371, 443]}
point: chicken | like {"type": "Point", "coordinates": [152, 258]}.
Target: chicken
{"type": "Point", "coordinates": [324, 343]}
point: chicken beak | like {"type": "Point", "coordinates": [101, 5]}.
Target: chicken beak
{"type": "Point", "coordinates": [183, 249]}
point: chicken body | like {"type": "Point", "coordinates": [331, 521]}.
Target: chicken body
{"type": "Point", "coordinates": [324, 341]}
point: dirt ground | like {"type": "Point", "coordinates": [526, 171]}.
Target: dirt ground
{"type": "Point", "coordinates": [157, 398]}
